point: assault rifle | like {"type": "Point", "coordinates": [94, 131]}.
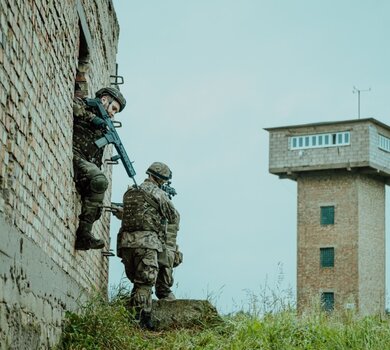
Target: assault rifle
{"type": "Point", "coordinates": [170, 191]}
{"type": "Point", "coordinates": [111, 136]}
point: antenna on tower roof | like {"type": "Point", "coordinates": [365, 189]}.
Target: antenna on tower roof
{"type": "Point", "coordinates": [358, 91]}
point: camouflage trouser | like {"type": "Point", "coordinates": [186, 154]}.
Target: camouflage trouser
{"type": "Point", "coordinates": [91, 183]}
{"type": "Point", "coordinates": [141, 268]}
{"type": "Point", "coordinates": [164, 280]}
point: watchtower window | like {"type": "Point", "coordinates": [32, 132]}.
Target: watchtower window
{"type": "Point", "coordinates": [326, 139]}
{"type": "Point", "coordinates": [320, 140]}
{"type": "Point", "coordinates": [327, 301]}
{"type": "Point", "coordinates": [327, 257]}
{"type": "Point", "coordinates": [327, 215]}
{"type": "Point", "coordinates": [384, 143]}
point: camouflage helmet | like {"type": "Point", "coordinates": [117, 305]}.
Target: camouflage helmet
{"type": "Point", "coordinates": [114, 93]}
{"type": "Point", "coordinates": [160, 170]}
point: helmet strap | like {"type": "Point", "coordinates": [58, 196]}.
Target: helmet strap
{"type": "Point", "coordinates": [110, 100]}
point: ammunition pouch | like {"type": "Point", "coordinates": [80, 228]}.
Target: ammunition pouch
{"type": "Point", "coordinates": [178, 258]}
{"type": "Point", "coordinates": [166, 258]}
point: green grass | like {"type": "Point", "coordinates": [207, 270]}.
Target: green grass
{"type": "Point", "coordinates": [108, 325]}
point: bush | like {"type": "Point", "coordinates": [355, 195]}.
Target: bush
{"type": "Point", "coordinates": [99, 325]}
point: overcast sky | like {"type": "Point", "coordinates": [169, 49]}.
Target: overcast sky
{"type": "Point", "coordinates": [203, 78]}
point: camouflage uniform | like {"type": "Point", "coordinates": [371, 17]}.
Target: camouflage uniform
{"type": "Point", "coordinates": [141, 238]}
{"type": "Point", "coordinates": [167, 260]}
{"type": "Point", "coordinates": [91, 183]}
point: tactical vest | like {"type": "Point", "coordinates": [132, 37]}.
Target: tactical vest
{"type": "Point", "coordinates": [140, 212]}
{"type": "Point", "coordinates": [84, 136]}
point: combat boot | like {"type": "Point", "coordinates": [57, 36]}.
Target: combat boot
{"type": "Point", "coordinates": [145, 321]}
{"type": "Point", "coordinates": [84, 238]}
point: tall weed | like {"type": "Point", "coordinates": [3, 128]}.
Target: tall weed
{"type": "Point", "coordinates": [270, 323]}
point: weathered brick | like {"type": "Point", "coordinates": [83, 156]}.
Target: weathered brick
{"type": "Point", "coordinates": [38, 63]}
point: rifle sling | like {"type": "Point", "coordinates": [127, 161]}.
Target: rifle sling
{"type": "Point", "coordinates": [152, 201]}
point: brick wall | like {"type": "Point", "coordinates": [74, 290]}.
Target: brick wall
{"type": "Point", "coordinates": [41, 274]}
{"type": "Point", "coordinates": [357, 235]}
{"type": "Point", "coordinates": [371, 246]}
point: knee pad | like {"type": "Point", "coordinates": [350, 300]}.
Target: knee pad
{"type": "Point", "coordinates": [148, 274]}
{"type": "Point", "coordinates": [99, 183]}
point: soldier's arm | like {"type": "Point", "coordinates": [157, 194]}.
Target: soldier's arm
{"type": "Point", "coordinates": [169, 211]}
{"type": "Point", "coordinates": [117, 211]}
{"type": "Point", "coordinates": [177, 220]}
{"type": "Point", "coordinates": [80, 110]}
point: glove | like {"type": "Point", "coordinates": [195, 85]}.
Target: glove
{"type": "Point", "coordinates": [117, 211]}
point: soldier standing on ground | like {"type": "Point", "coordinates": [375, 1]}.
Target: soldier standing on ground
{"type": "Point", "coordinates": [90, 181]}
{"type": "Point", "coordinates": [168, 259]}
{"type": "Point", "coordinates": [146, 212]}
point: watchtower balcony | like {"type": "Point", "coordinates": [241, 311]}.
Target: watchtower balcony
{"type": "Point", "coordinates": [359, 145]}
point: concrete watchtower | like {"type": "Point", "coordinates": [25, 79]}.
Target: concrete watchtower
{"type": "Point", "coordinates": [341, 169]}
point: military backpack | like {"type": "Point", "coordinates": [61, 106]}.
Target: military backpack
{"type": "Point", "coordinates": [140, 211]}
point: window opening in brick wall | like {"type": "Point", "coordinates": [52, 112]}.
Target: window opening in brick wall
{"type": "Point", "coordinates": [320, 140]}
{"type": "Point", "coordinates": [81, 83]}
{"type": "Point", "coordinates": [327, 215]}
{"type": "Point", "coordinates": [384, 143]}
{"type": "Point", "coordinates": [327, 301]}
{"type": "Point", "coordinates": [327, 257]}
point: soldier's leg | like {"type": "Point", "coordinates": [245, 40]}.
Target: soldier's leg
{"type": "Point", "coordinates": [91, 184]}
{"type": "Point", "coordinates": [127, 255]}
{"type": "Point", "coordinates": [165, 280]}
{"type": "Point", "coordinates": [144, 278]}
{"type": "Point", "coordinates": [164, 283]}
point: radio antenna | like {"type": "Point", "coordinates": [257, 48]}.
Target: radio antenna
{"type": "Point", "coordinates": [358, 91]}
